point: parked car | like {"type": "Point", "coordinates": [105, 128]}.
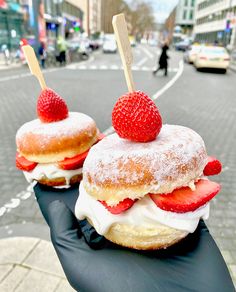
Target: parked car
{"type": "Point", "coordinates": [132, 41]}
{"type": "Point", "coordinates": [191, 54]}
{"type": "Point", "coordinates": [78, 50]}
{"type": "Point", "coordinates": [212, 57]}
{"type": "Point", "coordinates": [153, 42]}
{"type": "Point", "coordinates": [94, 45]}
{"type": "Point", "coordinates": [109, 46]}
{"type": "Point", "coordinates": [183, 45]}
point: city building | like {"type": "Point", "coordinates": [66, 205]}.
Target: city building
{"type": "Point", "coordinates": [72, 16]}
{"type": "Point", "coordinates": [92, 14]}
{"type": "Point", "coordinates": [184, 17]}
{"type": "Point", "coordinates": [38, 21]}
{"type": "Point", "coordinates": [110, 8]}
{"type": "Point", "coordinates": [216, 22]}
{"type": "Point", "coordinates": [169, 25]}
{"type": "Point", "coordinates": [95, 16]}
{"type": "Point", "coordinates": [11, 24]}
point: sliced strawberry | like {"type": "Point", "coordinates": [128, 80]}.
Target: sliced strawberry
{"type": "Point", "coordinates": [120, 207]}
{"type": "Point", "coordinates": [213, 166]}
{"type": "Point", "coordinates": [184, 199]}
{"type": "Point", "coordinates": [73, 162]}
{"type": "Point", "coordinates": [24, 164]}
{"type": "Point", "coordinates": [78, 160]}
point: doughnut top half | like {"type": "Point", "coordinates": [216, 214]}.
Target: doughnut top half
{"type": "Point", "coordinates": [117, 168]}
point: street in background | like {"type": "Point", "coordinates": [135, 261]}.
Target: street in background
{"type": "Point", "coordinates": [87, 72]}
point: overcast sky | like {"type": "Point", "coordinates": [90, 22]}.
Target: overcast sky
{"type": "Point", "coordinates": [162, 8]}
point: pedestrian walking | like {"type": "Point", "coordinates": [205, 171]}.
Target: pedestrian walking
{"type": "Point", "coordinates": [42, 54]}
{"type": "Point", "coordinates": [163, 60]}
{"type": "Point", "coordinates": [61, 47]}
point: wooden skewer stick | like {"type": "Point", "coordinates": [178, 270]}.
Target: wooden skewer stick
{"type": "Point", "coordinates": [122, 39]}
{"type": "Point", "coordinates": [34, 65]}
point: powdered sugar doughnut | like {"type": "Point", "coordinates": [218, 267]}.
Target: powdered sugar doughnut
{"type": "Point", "coordinates": [116, 168]}
{"type": "Point", "coordinates": [52, 142]}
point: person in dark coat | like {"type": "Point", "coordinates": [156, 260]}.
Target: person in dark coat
{"type": "Point", "coordinates": [163, 60]}
{"type": "Point", "coordinates": [42, 54]}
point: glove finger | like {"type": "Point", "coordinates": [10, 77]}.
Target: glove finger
{"type": "Point", "coordinates": [46, 195]}
{"type": "Point", "coordinates": [63, 224]}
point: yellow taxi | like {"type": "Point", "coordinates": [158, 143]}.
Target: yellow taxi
{"type": "Point", "coordinates": [212, 57]}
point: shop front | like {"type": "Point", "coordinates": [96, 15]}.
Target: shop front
{"type": "Point", "coordinates": [11, 25]}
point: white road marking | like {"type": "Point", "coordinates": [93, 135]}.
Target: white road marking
{"type": "Point", "coordinates": [82, 67]}
{"type": "Point", "coordinates": [147, 52]}
{"type": "Point", "coordinates": [24, 195]}
{"type": "Point", "coordinates": [22, 75]}
{"type": "Point", "coordinates": [171, 82]}
{"type": "Point", "coordinates": [145, 69]}
{"type": "Point", "coordinates": [173, 69]}
{"type": "Point", "coordinates": [2, 211]}
{"type": "Point", "coordinates": [142, 61]}
{"type": "Point", "coordinates": [93, 67]}
{"type": "Point", "coordinates": [13, 204]}
{"type": "Point", "coordinates": [135, 68]}
{"type": "Point", "coordinates": [114, 67]}
{"type": "Point", "coordinates": [103, 67]}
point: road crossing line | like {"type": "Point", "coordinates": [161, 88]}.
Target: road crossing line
{"type": "Point", "coordinates": [142, 61]}
{"type": "Point", "coordinates": [113, 67]}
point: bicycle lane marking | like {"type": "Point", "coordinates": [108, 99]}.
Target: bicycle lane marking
{"type": "Point", "coordinates": [26, 194]}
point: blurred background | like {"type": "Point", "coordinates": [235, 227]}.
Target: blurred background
{"type": "Point", "coordinates": [85, 23]}
{"type": "Point", "coordinates": [76, 48]}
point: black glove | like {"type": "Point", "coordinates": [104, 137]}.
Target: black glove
{"type": "Point", "coordinates": [92, 263]}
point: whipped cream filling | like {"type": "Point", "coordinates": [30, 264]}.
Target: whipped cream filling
{"type": "Point", "coordinates": [144, 212]}
{"type": "Point", "coordinates": [51, 171]}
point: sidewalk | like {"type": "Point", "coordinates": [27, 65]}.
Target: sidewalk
{"type": "Point", "coordinates": [30, 264]}
{"type": "Point", "coordinates": [11, 66]}
{"type": "Point", "coordinates": [232, 66]}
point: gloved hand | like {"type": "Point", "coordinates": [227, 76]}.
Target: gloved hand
{"type": "Point", "coordinates": [92, 263]}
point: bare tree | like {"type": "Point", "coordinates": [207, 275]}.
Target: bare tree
{"type": "Point", "coordinates": [141, 17]}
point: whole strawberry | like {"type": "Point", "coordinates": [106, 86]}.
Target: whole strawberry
{"type": "Point", "coordinates": [212, 167]}
{"type": "Point", "coordinates": [51, 107]}
{"type": "Point", "coordinates": [136, 117]}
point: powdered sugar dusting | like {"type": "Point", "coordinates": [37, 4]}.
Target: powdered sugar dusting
{"type": "Point", "coordinates": [74, 123]}
{"type": "Point", "coordinates": [174, 147]}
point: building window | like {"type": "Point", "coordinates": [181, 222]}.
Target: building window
{"type": "Point", "coordinates": [186, 3]}
{"type": "Point", "coordinates": [185, 14]}
{"type": "Point", "coordinates": [193, 3]}
{"type": "Point", "coordinates": [191, 14]}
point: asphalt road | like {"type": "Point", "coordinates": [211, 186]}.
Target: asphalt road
{"type": "Point", "coordinates": [203, 101]}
